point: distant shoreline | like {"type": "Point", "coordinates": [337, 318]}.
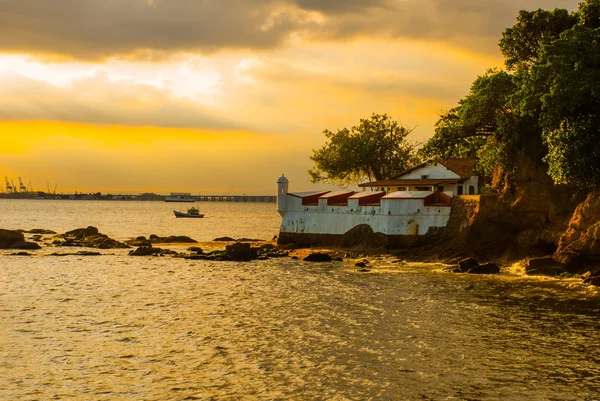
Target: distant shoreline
{"type": "Point", "coordinates": [141, 197]}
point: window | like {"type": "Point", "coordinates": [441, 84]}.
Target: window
{"type": "Point", "coordinates": [440, 188]}
{"type": "Point", "coordinates": [460, 189]}
{"type": "Point", "coordinates": [422, 188]}
{"type": "Point", "coordinates": [471, 190]}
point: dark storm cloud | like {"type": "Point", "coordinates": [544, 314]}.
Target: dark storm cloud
{"type": "Point", "coordinates": [94, 29]}
{"type": "Point", "coordinates": [99, 28]}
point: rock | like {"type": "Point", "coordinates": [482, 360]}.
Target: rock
{"type": "Point", "coordinates": [488, 268]}
{"type": "Point", "coordinates": [318, 257]}
{"type": "Point", "coordinates": [546, 266]}
{"type": "Point", "coordinates": [173, 239]}
{"type": "Point", "coordinates": [80, 253]}
{"type": "Point", "coordinates": [363, 270]}
{"type": "Point", "coordinates": [338, 259]}
{"type": "Point", "coordinates": [139, 241]}
{"type": "Point", "coordinates": [25, 245]}
{"type": "Point", "coordinates": [150, 251]}
{"type": "Point", "coordinates": [21, 254]}
{"type": "Point", "coordinates": [295, 257]}
{"type": "Point", "coordinates": [8, 238]}
{"type": "Point", "coordinates": [87, 237]}
{"type": "Point", "coordinates": [268, 247]}
{"type": "Point", "coordinates": [592, 279]}
{"type": "Point", "coordinates": [239, 252]}
{"type": "Point", "coordinates": [364, 237]}
{"type": "Point", "coordinates": [195, 249]}
{"type": "Point", "coordinates": [248, 240]}
{"type": "Point", "coordinates": [224, 239]}
{"type": "Point", "coordinates": [360, 264]}
{"type": "Point", "coordinates": [467, 264]}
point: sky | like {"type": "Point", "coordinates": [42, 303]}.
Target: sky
{"type": "Point", "coordinates": [224, 96]}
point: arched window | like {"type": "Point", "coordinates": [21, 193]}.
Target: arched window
{"type": "Point", "coordinates": [471, 190]}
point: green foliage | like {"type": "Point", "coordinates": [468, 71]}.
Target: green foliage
{"type": "Point", "coordinates": [521, 43]}
{"type": "Point", "coordinates": [375, 149]}
{"type": "Point", "coordinates": [547, 107]}
{"type": "Point", "coordinates": [484, 113]}
{"type": "Point", "coordinates": [588, 13]}
{"type": "Point", "coordinates": [567, 78]}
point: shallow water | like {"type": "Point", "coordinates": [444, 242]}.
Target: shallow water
{"type": "Point", "coordinates": [116, 327]}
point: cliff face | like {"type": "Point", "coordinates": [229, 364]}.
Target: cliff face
{"type": "Point", "coordinates": [525, 216]}
{"type": "Point", "coordinates": [579, 246]}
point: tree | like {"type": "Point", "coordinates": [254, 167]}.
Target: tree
{"type": "Point", "coordinates": [521, 43]}
{"type": "Point", "coordinates": [376, 149]}
{"type": "Point", "coordinates": [567, 77]}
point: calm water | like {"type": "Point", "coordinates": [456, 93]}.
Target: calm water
{"type": "Point", "coordinates": [115, 327]}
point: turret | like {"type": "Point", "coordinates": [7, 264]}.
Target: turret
{"type": "Point", "coordinates": [282, 191]}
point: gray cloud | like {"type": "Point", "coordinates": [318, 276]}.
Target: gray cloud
{"type": "Point", "coordinates": [95, 29]}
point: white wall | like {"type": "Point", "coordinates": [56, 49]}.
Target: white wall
{"type": "Point", "coordinates": [392, 217]}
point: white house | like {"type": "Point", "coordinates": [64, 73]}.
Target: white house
{"type": "Point", "coordinates": [416, 203]}
{"type": "Point", "coordinates": [453, 175]}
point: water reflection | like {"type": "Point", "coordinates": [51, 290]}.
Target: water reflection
{"type": "Point", "coordinates": [116, 327]}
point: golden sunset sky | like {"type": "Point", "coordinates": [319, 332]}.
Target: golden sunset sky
{"type": "Point", "coordinates": [222, 96]}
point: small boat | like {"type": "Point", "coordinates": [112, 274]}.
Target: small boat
{"type": "Point", "coordinates": [192, 212]}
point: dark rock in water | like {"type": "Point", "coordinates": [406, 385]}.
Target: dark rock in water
{"type": "Point", "coordinates": [80, 253]}
{"type": "Point", "coordinates": [239, 252]}
{"type": "Point", "coordinates": [150, 251]}
{"type": "Point", "coordinates": [21, 254]}
{"type": "Point", "coordinates": [360, 264]}
{"type": "Point", "coordinates": [268, 247]}
{"type": "Point", "coordinates": [36, 237]}
{"type": "Point", "coordinates": [25, 245]}
{"type": "Point", "coordinates": [8, 238]}
{"type": "Point", "coordinates": [318, 257]}
{"type": "Point", "coordinates": [338, 259]}
{"type": "Point", "coordinates": [488, 268]}
{"type": "Point", "coordinates": [195, 249]}
{"type": "Point", "coordinates": [224, 239]}
{"type": "Point", "coordinates": [363, 270]}
{"type": "Point", "coordinates": [295, 257]}
{"type": "Point", "coordinates": [544, 267]}
{"type": "Point", "coordinates": [467, 264]}
{"type": "Point", "coordinates": [173, 239]}
{"type": "Point", "coordinates": [139, 241]}
{"type": "Point", "coordinates": [87, 237]}
{"type": "Point", "coordinates": [590, 278]}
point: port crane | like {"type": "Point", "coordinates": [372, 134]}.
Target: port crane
{"type": "Point", "coordinates": [9, 187]}
{"type": "Point", "coordinates": [22, 187]}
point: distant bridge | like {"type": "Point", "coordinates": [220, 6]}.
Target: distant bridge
{"type": "Point", "coordinates": [236, 198]}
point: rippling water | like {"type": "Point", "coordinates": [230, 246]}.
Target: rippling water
{"type": "Point", "coordinates": [115, 327]}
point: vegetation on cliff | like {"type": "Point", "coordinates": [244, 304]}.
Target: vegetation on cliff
{"type": "Point", "coordinates": [546, 106]}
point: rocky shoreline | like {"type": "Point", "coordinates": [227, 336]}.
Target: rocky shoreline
{"type": "Point", "coordinates": [245, 249]}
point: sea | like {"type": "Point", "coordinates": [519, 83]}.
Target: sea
{"type": "Point", "coordinates": [119, 327]}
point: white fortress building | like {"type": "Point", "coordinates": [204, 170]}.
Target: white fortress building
{"type": "Point", "coordinates": [409, 208]}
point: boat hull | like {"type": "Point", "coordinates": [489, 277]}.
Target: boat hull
{"type": "Point", "coordinates": [187, 215]}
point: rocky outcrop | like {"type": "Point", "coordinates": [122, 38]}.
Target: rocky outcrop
{"type": "Point", "coordinates": [139, 241]}
{"type": "Point", "coordinates": [88, 237]}
{"type": "Point", "coordinates": [172, 239]}
{"type": "Point", "coordinates": [237, 252]}
{"type": "Point", "coordinates": [150, 251]}
{"type": "Point", "coordinates": [546, 266]}
{"type": "Point", "coordinates": [318, 257]}
{"type": "Point", "coordinates": [15, 240]}
{"type": "Point", "coordinates": [579, 246]}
